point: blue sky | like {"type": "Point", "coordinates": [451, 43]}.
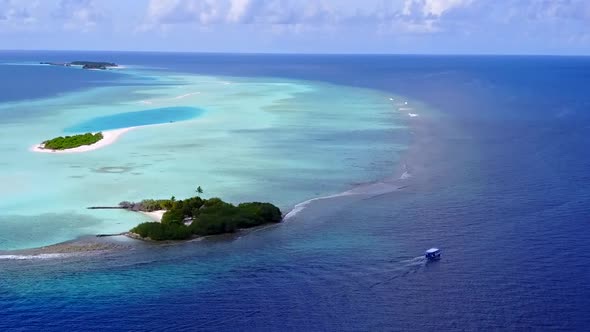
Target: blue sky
{"type": "Point", "coordinates": [301, 26]}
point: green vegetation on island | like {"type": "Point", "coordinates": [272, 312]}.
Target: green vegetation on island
{"type": "Point", "coordinates": [84, 64]}
{"type": "Point", "coordinates": [196, 216]}
{"type": "Point", "coordinates": [70, 142]}
{"type": "Point", "coordinates": [93, 64]}
{"type": "Point", "coordinates": [148, 205]}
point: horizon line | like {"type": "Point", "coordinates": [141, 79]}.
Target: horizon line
{"type": "Point", "coordinates": [301, 53]}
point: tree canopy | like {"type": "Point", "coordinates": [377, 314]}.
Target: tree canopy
{"type": "Point", "coordinates": [70, 142]}
{"type": "Point", "coordinates": [199, 217]}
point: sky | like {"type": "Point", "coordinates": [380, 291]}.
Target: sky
{"type": "Point", "coordinates": [300, 26]}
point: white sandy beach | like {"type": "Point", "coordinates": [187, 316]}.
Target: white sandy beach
{"type": "Point", "coordinates": [109, 137]}
{"type": "Point", "coordinates": [155, 215]}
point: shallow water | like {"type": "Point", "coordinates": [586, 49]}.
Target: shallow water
{"type": "Point", "coordinates": [135, 119]}
{"type": "Point", "coordinates": [493, 174]}
{"type": "Point", "coordinates": [257, 139]}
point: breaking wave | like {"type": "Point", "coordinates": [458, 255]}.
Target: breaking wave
{"type": "Point", "coordinates": [33, 257]}
{"type": "Point", "coordinates": [364, 190]}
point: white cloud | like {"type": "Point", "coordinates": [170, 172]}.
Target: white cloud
{"type": "Point", "coordinates": [424, 16]}
{"type": "Point", "coordinates": [16, 13]}
{"type": "Point", "coordinates": [182, 11]}
{"type": "Point", "coordinates": [437, 8]}
{"type": "Point", "coordinates": [79, 14]}
{"type": "Point", "coordinates": [558, 9]}
{"type": "Point", "coordinates": [238, 9]}
{"type": "Point", "coordinates": [205, 12]}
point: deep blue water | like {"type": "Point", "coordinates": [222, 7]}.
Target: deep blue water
{"type": "Point", "coordinates": [500, 174]}
{"type": "Point", "coordinates": [140, 118]}
{"type": "Point", "coordinates": [22, 82]}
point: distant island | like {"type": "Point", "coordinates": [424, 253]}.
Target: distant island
{"type": "Point", "coordinates": [195, 217]}
{"type": "Point", "coordinates": [71, 142]}
{"type": "Point", "coordinates": [83, 64]}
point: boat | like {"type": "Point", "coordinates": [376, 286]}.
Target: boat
{"type": "Point", "coordinates": [432, 254]}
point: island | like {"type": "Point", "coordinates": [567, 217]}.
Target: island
{"type": "Point", "coordinates": [71, 142]}
{"type": "Point", "coordinates": [83, 64]}
{"type": "Point", "coordinates": [61, 64]}
{"type": "Point", "coordinates": [196, 217]}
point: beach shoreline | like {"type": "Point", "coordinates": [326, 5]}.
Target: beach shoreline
{"type": "Point", "coordinates": [154, 215]}
{"type": "Point", "coordinates": [109, 137]}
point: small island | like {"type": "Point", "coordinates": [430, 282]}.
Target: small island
{"type": "Point", "coordinates": [71, 142]}
{"type": "Point", "coordinates": [84, 64]}
{"type": "Point", "coordinates": [196, 217]}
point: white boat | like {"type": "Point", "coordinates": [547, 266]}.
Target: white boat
{"type": "Point", "coordinates": [432, 254]}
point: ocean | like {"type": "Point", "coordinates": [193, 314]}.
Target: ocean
{"type": "Point", "coordinates": [375, 158]}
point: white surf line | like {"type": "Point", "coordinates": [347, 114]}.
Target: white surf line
{"type": "Point", "coordinates": [369, 189]}
{"type": "Point", "coordinates": [301, 206]}
{"type": "Point", "coordinates": [408, 109]}
{"type": "Point", "coordinates": [35, 256]}
{"type": "Point", "coordinates": [151, 101]}
{"type": "Point", "coordinates": [405, 103]}
{"type": "Point", "coordinates": [187, 95]}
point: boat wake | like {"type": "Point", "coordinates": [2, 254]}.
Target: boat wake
{"type": "Point", "coordinates": [416, 261]}
{"type": "Point", "coordinates": [403, 268]}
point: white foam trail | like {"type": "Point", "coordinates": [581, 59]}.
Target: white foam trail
{"type": "Point", "coordinates": [391, 99]}
{"type": "Point", "coordinates": [413, 115]}
{"type": "Point", "coordinates": [150, 102]}
{"type": "Point", "coordinates": [299, 207]}
{"type": "Point", "coordinates": [30, 257]}
{"type": "Point", "coordinates": [406, 175]}
{"type": "Point", "coordinates": [416, 261]}
{"type": "Point", "coordinates": [369, 189]}
{"type": "Point", "coordinates": [187, 95]}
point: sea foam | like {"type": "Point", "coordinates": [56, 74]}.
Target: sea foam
{"type": "Point", "coordinates": [31, 257]}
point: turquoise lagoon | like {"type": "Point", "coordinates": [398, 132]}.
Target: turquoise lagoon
{"type": "Point", "coordinates": [245, 139]}
{"type": "Point", "coordinates": [134, 119]}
